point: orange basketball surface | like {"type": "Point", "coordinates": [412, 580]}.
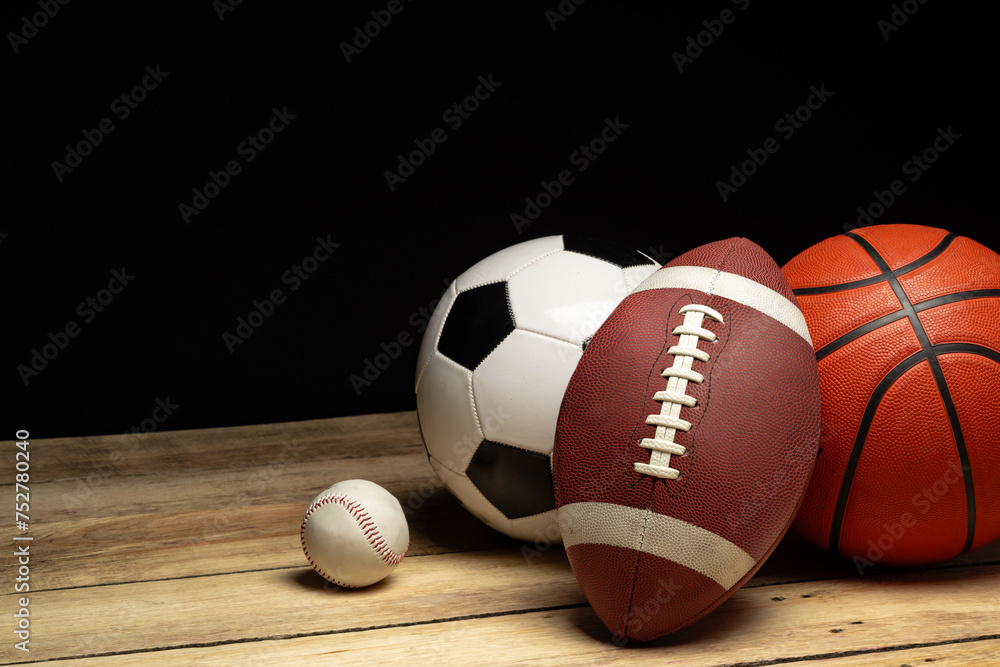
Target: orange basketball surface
{"type": "Point", "coordinates": [905, 321]}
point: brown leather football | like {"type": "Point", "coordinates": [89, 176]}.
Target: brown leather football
{"type": "Point", "coordinates": [686, 438]}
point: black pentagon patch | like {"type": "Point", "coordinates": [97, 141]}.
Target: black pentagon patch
{"type": "Point", "coordinates": [518, 482]}
{"type": "Point", "coordinates": [479, 320]}
{"type": "Point", "coordinates": [614, 253]}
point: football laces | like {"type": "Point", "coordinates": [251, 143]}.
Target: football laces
{"type": "Point", "coordinates": [673, 398]}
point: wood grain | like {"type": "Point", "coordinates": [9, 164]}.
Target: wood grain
{"type": "Point", "coordinates": [316, 440]}
{"type": "Point", "coordinates": [183, 548]}
{"type": "Point", "coordinates": [808, 622]}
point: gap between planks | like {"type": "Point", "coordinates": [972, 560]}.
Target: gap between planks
{"type": "Point", "coordinates": [288, 616]}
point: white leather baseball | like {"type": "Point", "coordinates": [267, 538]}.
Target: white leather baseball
{"type": "Point", "coordinates": [354, 533]}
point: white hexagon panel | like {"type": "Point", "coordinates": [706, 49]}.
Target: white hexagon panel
{"type": "Point", "coordinates": [516, 408]}
{"type": "Point", "coordinates": [428, 344]}
{"type": "Point", "coordinates": [566, 295]}
{"type": "Point", "coordinates": [446, 389]}
{"type": "Point", "coordinates": [496, 357]}
{"type": "Point", "coordinates": [501, 264]}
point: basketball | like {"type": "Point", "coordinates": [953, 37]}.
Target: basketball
{"type": "Point", "coordinates": [905, 322]}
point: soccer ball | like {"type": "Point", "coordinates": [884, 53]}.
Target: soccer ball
{"type": "Point", "coordinates": [495, 360]}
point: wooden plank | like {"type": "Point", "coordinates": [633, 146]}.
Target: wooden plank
{"type": "Point", "coordinates": [840, 623]}
{"type": "Point", "coordinates": [961, 654]}
{"type": "Point", "coordinates": [320, 651]}
{"type": "Point", "coordinates": [100, 457]}
{"type": "Point", "coordinates": [193, 531]}
{"type": "Point", "coordinates": [213, 521]}
{"type": "Point", "coordinates": [290, 602]}
{"type": "Point", "coordinates": [216, 521]}
{"type": "Point", "coordinates": [794, 559]}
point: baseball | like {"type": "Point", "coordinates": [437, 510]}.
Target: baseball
{"type": "Point", "coordinates": [354, 533]}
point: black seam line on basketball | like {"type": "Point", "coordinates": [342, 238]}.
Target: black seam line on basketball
{"type": "Point", "coordinates": [969, 348]}
{"type": "Point", "coordinates": [869, 415]}
{"type": "Point", "coordinates": [949, 405]}
{"type": "Point", "coordinates": [954, 297]}
{"type": "Point", "coordinates": [942, 385]}
{"type": "Point", "coordinates": [866, 420]}
{"type": "Point", "coordinates": [835, 345]}
{"type": "Point", "coordinates": [863, 282]}
{"type": "Point", "coordinates": [841, 287]}
{"type": "Point", "coordinates": [863, 651]}
{"type": "Point", "coordinates": [318, 633]}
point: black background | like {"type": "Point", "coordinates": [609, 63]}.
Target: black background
{"type": "Point", "coordinates": [323, 176]}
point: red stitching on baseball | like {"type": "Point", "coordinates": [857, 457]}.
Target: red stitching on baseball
{"type": "Point", "coordinates": [367, 526]}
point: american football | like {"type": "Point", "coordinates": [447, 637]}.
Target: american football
{"type": "Point", "coordinates": [686, 438]}
{"type": "Point", "coordinates": [414, 334]}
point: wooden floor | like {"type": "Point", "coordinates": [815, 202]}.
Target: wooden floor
{"type": "Point", "coordinates": [182, 548]}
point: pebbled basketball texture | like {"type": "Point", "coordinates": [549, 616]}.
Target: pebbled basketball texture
{"type": "Point", "coordinates": [655, 551]}
{"type": "Point", "coordinates": [906, 324]}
